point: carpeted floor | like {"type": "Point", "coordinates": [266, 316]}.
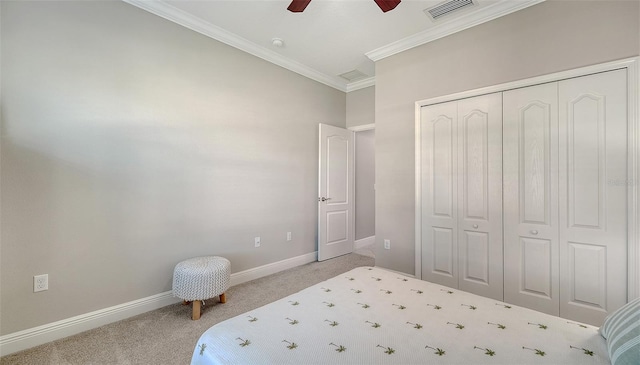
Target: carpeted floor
{"type": "Point", "coordinates": [168, 335]}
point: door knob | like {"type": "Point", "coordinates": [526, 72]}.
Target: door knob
{"type": "Point", "coordinates": [324, 199]}
{"type": "Point", "coordinates": [475, 226]}
{"type": "Point", "coordinates": [534, 232]}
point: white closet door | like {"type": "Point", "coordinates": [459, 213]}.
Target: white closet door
{"type": "Point", "coordinates": [439, 189]}
{"type": "Point", "coordinates": [530, 165]}
{"type": "Point", "coordinates": [480, 195]}
{"type": "Point", "coordinates": [593, 192]}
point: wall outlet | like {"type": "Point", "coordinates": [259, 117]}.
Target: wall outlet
{"type": "Point", "coordinates": [257, 241]}
{"type": "Point", "coordinates": [387, 244]}
{"type": "Point", "coordinates": [40, 283]}
{"type": "Point", "coordinates": [288, 236]}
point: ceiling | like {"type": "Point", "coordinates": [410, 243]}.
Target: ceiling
{"type": "Point", "coordinates": [331, 37]}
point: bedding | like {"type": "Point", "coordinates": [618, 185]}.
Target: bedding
{"type": "Point", "coordinates": [371, 315]}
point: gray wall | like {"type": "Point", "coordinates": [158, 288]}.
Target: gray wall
{"type": "Point", "coordinates": [546, 38]}
{"type": "Point", "coordinates": [365, 178]}
{"type": "Point", "coordinates": [361, 107]}
{"type": "Point", "coordinates": [130, 143]}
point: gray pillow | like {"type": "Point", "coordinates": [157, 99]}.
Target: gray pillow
{"type": "Point", "coordinates": [621, 329]}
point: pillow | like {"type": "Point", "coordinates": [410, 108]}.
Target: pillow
{"type": "Point", "coordinates": [621, 329]}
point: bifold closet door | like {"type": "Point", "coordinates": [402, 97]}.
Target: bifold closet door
{"type": "Point", "coordinates": [593, 195]}
{"type": "Point", "coordinates": [439, 161]}
{"type": "Point", "coordinates": [480, 254]}
{"type": "Point", "coordinates": [530, 165]}
{"type": "Point", "coordinates": [461, 184]}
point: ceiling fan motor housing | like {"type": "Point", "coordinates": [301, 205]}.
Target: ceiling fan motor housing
{"type": "Point", "coordinates": [298, 6]}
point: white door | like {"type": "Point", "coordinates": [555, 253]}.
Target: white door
{"type": "Point", "coordinates": [530, 165]}
{"type": "Point", "coordinates": [336, 192]}
{"type": "Point", "coordinates": [593, 195]}
{"type": "Point", "coordinates": [480, 252]}
{"type": "Point", "coordinates": [439, 159]}
{"type": "Point", "coordinates": [461, 184]}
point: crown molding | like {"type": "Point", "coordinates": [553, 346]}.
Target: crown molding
{"type": "Point", "coordinates": [361, 84]}
{"type": "Point", "coordinates": [469, 20]}
{"type": "Point", "coordinates": [187, 20]}
{"type": "Point", "coordinates": [196, 24]}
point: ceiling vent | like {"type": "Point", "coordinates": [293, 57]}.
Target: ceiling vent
{"type": "Point", "coordinates": [447, 8]}
{"type": "Point", "coordinates": [354, 75]}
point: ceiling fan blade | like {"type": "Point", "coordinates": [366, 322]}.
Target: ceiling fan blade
{"type": "Point", "coordinates": [298, 6]}
{"type": "Point", "coordinates": [386, 5]}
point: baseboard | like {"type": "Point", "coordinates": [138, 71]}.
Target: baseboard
{"type": "Point", "coordinates": [364, 242]}
{"type": "Point", "coordinates": [397, 272]}
{"type": "Point", "coordinates": [268, 269]}
{"type": "Point", "coordinates": [31, 337]}
{"type": "Point", "coordinates": [35, 336]}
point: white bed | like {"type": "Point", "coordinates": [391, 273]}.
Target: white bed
{"type": "Point", "coordinates": [371, 315]}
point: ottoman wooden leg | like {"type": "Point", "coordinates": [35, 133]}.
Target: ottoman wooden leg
{"type": "Point", "coordinates": [223, 298]}
{"type": "Point", "coordinates": [196, 310]}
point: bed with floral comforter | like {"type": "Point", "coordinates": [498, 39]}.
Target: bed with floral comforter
{"type": "Point", "coordinates": [374, 316]}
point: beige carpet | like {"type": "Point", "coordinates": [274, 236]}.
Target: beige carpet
{"type": "Point", "coordinates": [168, 335]}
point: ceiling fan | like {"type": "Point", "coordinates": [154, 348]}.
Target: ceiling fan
{"type": "Point", "coordinates": [298, 6]}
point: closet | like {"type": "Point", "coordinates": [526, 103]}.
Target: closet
{"type": "Point", "coordinates": [522, 195]}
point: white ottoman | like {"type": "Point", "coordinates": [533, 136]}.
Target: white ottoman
{"type": "Point", "coordinates": [201, 278]}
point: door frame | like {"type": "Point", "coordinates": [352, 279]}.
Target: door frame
{"type": "Point", "coordinates": [633, 154]}
{"type": "Point", "coordinates": [371, 240]}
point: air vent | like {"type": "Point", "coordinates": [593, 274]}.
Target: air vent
{"type": "Point", "coordinates": [447, 8]}
{"type": "Point", "coordinates": [354, 75]}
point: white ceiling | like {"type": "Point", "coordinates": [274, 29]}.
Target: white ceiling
{"type": "Point", "coordinates": [330, 37]}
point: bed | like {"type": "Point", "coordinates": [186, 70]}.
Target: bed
{"type": "Point", "coordinates": [371, 315]}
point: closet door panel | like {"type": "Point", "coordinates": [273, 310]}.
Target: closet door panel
{"type": "Point", "coordinates": [439, 193]}
{"type": "Point", "coordinates": [476, 252]}
{"type": "Point", "coordinates": [590, 262]}
{"type": "Point", "coordinates": [593, 187]}
{"type": "Point", "coordinates": [480, 195]}
{"type": "Point", "coordinates": [443, 252]}
{"type": "Point", "coordinates": [531, 197]}
{"type": "Point", "coordinates": [536, 273]}
{"type": "Point", "coordinates": [475, 164]}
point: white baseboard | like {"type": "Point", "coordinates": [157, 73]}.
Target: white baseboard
{"type": "Point", "coordinates": [268, 269]}
{"type": "Point", "coordinates": [35, 336]}
{"type": "Point", "coordinates": [31, 337]}
{"type": "Point", "coordinates": [364, 243]}
{"type": "Point", "coordinates": [397, 272]}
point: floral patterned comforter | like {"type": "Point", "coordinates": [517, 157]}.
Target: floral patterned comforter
{"type": "Point", "coordinates": [374, 316]}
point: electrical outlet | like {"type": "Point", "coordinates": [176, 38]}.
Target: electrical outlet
{"type": "Point", "coordinates": [40, 283]}
{"type": "Point", "coordinates": [288, 236]}
{"type": "Point", "coordinates": [387, 244]}
{"type": "Point", "coordinates": [257, 241]}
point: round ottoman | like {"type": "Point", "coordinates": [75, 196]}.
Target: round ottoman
{"type": "Point", "coordinates": [201, 278]}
